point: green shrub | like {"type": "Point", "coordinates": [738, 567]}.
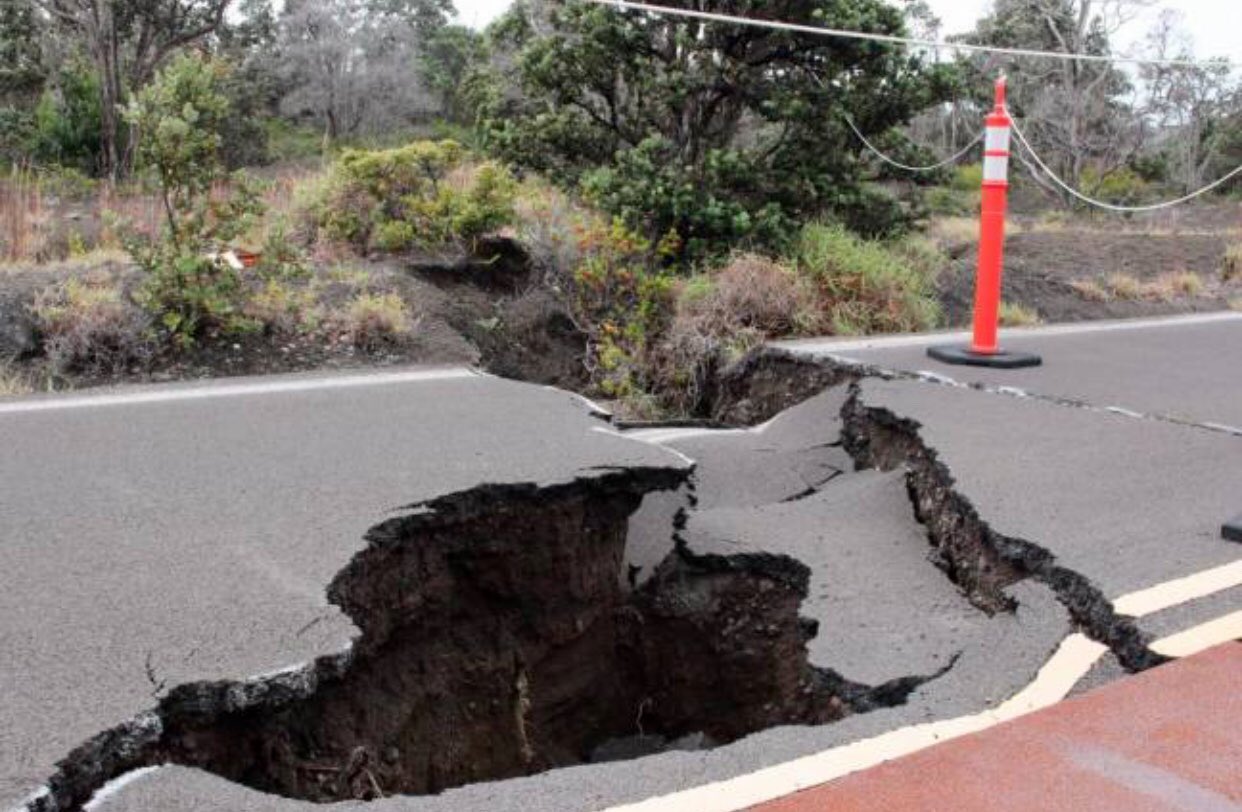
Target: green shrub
{"type": "Point", "coordinates": [280, 307]}
{"type": "Point", "coordinates": [187, 288]}
{"type": "Point", "coordinates": [423, 194]}
{"type": "Point", "coordinates": [90, 328]}
{"type": "Point", "coordinates": [709, 208]}
{"type": "Point", "coordinates": [394, 235]}
{"type": "Point", "coordinates": [863, 286]}
{"type": "Point", "coordinates": [1122, 186]}
{"type": "Point", "coordinates": [190, 294]}
{"type": "Point", "coordinates": [967, 178]}
{"type": "Point", "coordinates": [67, 123]}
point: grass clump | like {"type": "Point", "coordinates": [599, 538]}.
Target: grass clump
{"type": "Point", "coordinates": [1123, 286]}
{"type": "Point", "coordinates": [1016, 315]}
{"type": "Point", "coordinates": [371, 321]}
{"type": "Point", "coordinates": [1091, 290]}
{"type": "Point", "coordinates": [863, 286]}
{"type": "Point", "coordinates": [1175, 284]}
{"type": "Point", "coordinates": [13, 383]}
{"type": "Point", "coordinates": [1231, 264]}
{"type": "Point", "coordinates": [91, 328]}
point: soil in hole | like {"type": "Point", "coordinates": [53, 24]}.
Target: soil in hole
{"type": "Point", "coordinates": [499, 640]}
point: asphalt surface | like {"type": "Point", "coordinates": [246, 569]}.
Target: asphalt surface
{"type": "Point", "coordinates": [1128, 503]}
{"type": "Point", "coordinates": [153, 542]}
{"type": "Point", "coordinates": [1184, 368]}
{"type": "Point", "coordinates": [141, 549]}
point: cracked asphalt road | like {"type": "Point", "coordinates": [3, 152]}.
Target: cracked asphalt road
{"type": "Point", "coordinates": [115, 518]}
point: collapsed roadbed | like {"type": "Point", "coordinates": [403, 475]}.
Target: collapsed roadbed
{"type": "Point", "coordinates": [501, 637]}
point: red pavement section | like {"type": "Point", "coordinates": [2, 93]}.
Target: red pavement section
{"type": "Point", "coordinates": [1169, 739]}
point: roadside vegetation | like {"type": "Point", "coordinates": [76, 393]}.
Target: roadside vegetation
{"type": "Point", "coordinates": [215, 202]}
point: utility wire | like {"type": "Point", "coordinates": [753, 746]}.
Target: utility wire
{"type": "Point", "coordinates": [891, 162]}
{"type": "Point", "coordinates": [893, 39]}
{"type": "Point", "coordinates": [1168, 204]}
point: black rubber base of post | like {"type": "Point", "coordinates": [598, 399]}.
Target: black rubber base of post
{"type": "Point", "coordinates": [962, 355]}
{"type": "Point", "coordinates": [1233, 530]}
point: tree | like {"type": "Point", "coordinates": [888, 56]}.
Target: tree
{"type": "Point", "coordinates": [1189, 106]}
{"type": "Point", "coordinates": [1075, 110]}
{"type": "Point", "coordinates": [705, 135]}
{"type": "Point", "coordinates": [350, 63]}
{"type": "Point", "coordinates": [179, 118]}
{"type": "Point", "coordinates": [447, 56]}
{"type": "Point", "coordinates": [128, 41]}
{"type": "Point", "coordinates": [21, 58]}
{"type": "Point", "coordinates": [178, 122]}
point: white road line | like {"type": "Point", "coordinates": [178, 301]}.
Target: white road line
{"type": "Point", "coordinates": [1179, 591]}
{"type": "Point", "coordinates": [1212, 633]}
{"type": "Point", "coordinates": [835, 346]}
{"type": "Point", "coordinates": [1072, 660]}
{"type": "Point", "coordinates": [116, 785]}
{"type": "Point", "coordinates": [227, 390]}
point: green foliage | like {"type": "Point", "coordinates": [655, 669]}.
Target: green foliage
{"type": "Point", "coordinates": [188, 288]}
{"type": "Point", "coordinates": [1121, 186]}
{"type": "Point", "coordinates": [448, 55]}
{"type": "Point", "coordinates": [67, 122]}
{"type": "Point", "coordinates": [864, 286]}
{"type": "Point", "coordinates": [424, 194]}
{"type": "Point", "coordinates": [721, 135]}
{"type": "Point", "coordinates": [17, 129]}
{"type": "Point", "coordinates": [291, 143]}
{"type": "Point", "coordinates": [654, 193]}
{"type": "Point", "coordinates": [394, 235]}
{"type": "Point", "coordinates": [22, 71]}
{"type": "Point", "coordinates": [967, 178]}
{"type": "Point", "coordinates": [625, 303]}
{"type": "Point", "coordinates": [178, 119]}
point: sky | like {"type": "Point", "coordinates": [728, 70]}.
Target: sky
{"type": "Point", "coordinates": [1210, 22]}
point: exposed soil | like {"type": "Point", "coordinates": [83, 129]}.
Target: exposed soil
{"type": "Point", "coordinates": [1040, 269]}
{"type": "Point", "coordinates": [498, 639]}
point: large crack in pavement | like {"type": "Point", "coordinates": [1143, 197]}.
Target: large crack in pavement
{"type": "Point", "coordinates": [498, 639]}
{"type": "Point", "coordinates": [506, 630]}
{"type": "Point", "coordinates": [976, 557]}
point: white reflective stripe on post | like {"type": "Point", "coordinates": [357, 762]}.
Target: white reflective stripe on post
{"type": "Point", "coordinates": [996, 168]}
{"type": "Point", "coordinates": [998, 140]}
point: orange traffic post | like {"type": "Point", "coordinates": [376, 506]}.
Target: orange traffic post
{"type": "Point", "coordinates": [984, 349]}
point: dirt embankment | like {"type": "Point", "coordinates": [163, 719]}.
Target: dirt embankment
{"type": "Point", "coordinates": [1067, 275]}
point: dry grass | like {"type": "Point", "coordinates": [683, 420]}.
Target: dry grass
{"type": "Point", "coordinates": [750, 292]}
{"type": "Point", "coordinates": [371, 321]}
{"type": "Point", "coordinates": [23, 220]}
{"type": "Point", "coordinates": [1091, 290]}
{"type": "Point", "coordinates": [13, 382]}
{"type": "Point", "coordinates": [1123, 286]}
{"type": "Point", "coordinates": [1016, 315]}
{"type": "Point", "coordinates": [954, 230]}
{"type": "Point", "coordinates": [91, 327]}
{"type": "Point", "coordinates": [1236, 304]}
{"type": "Point", "coordinates": [1169, 286]}
{"type": "Point", "coordinates": [283, 308]}
{"type": "Point", "coordinates": [1231, 264]}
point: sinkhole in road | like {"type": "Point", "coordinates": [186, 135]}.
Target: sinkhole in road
{"type": "Point", "coordinates": [499, 639]}
{"type": "Point", "coordinates": [500, 635]}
